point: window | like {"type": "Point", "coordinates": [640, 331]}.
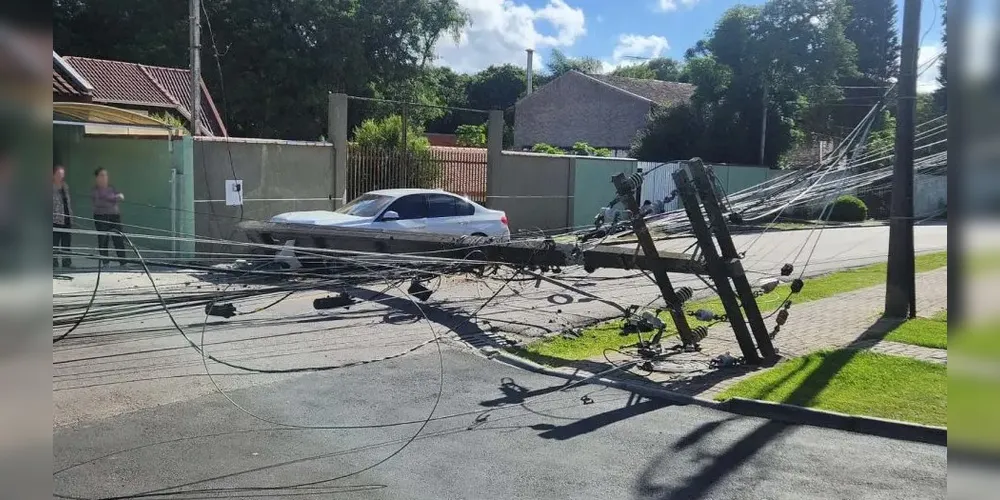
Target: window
{"type": "Point", "coordinates": [441, 205]}
{"type": "Point", "coordinates": [366, 205]}
{"type": "Point", "coordinates": [410, 207]}
{"type": "Point", "coordinates": [464, 208]}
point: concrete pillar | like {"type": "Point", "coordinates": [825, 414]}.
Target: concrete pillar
{"type": "Point", "coordinates": [337, 123]}
{"type": "Point", "coordinates": [494, 151]}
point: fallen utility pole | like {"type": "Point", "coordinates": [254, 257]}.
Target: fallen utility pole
{"type": "Point", "coordinates": [314, 246]}
{"type": "Point", "coordinates": [324, 242]}
{"type": "Point", "coordinates": [716, 267]}
{"type": "Point", "coordinates": [730, 257]}
{"type": "Point", "coordinates": [900, 289]}
{"type": "Point", "coordinates": [627, 188]}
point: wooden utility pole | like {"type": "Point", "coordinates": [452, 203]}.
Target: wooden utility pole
{"type": "Point", "coordinates": [195, 28]}
{"type": "Point", "coordinates": [900, 290]}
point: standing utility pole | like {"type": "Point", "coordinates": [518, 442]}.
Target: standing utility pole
{"type": "Point", "coordinates": [195, 19]}
{"type": "Point", "coordinates": [900, 290]}
{"type": "Point", "coordinates": [763, 122]}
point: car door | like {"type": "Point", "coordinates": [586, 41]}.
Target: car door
{"type": "Point", "coordinates": [442, 215]}
{"type": "Point", "coordinates": [412, 212]}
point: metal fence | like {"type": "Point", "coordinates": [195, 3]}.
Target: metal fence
{"type": "Point", "coordinates": [458, 170]}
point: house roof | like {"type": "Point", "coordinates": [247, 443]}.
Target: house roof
{"type": "Point", "coordinates": [657, 91]}
{"type": "Point", "coordinates": [140, 85]}
{"type": "Point", "coordinates": [67, 82]}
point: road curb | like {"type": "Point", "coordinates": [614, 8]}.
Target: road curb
{"type": "Point", "coordinates": [894, 429]}
{"type": "Point", "coordinates": [797, 415]}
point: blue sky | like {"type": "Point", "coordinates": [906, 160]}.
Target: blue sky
{"type": "Point", "coordinates": [609, 30]}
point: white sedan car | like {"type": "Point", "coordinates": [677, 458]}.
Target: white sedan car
{"type": "Point", "coordinates": [418, 210]}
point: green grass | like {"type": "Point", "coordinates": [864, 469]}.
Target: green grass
{"type": "Point", "coordinates": [594, 340]}
{"type": "Point", "coordinates": [924, 332]}
{"type": "Point", "coordinates": [856, 383]}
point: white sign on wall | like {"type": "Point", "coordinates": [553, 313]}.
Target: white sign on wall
{"type": "Point", "coordinates": [234, 192]}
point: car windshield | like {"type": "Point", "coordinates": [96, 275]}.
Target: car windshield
{"type": "Point", "coordinates": [366, 205]}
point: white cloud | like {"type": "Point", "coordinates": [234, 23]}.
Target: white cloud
{"type": "Point", "coordinates": [633, 49]}
{"type": "Point", "coordinates": [672, 5]}
{"type": "Point", "coordinates": [500, 30]}
{"type": "Point", "coordinates": [928, 68]}
{"type": "Point", "coordinates": [638, 45]}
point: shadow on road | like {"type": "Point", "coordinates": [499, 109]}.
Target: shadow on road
{"type": "Point", "coordinates": [595, 422]}
{"type": "Point", "coordinates": [720, 466]}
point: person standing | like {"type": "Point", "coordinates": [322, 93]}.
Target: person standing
{"type": "Point", "coordinates": [62, 217]}
{"type": "Point", "coordinates": [107, 215]}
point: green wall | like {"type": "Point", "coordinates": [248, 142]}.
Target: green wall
{"type": "Point", "coordinates": [592, 188]}
{"type": "Point", "coordinates": [141, 168]}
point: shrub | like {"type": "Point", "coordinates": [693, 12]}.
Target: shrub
{"type": "Point", "coordinates": [849, 209]}
{"type": "Point", "coordinates": [473, 136]}
{"type": "Point", "coordinates": [379, 161]}
{"type": "Point", "coordinates": [541, 147]}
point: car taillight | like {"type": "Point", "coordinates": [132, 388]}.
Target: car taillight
{"type": "Point", "coordinates": [503, 219]}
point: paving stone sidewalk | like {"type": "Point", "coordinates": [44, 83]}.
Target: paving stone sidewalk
{"type": "Point", "coordinates": [848, 320]}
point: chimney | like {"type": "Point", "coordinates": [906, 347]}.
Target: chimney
{"type": "Point", "coordinates": [531, 54]}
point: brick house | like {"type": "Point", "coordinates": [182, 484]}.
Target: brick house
{"type": "Point", "coordinates": [604, 111]}
{"type": "Point", "coordinates": [135, 87]}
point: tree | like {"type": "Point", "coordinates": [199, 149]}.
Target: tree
{"type": "Point", "coordinates": [279, 59]}
{"type": "Point", "coordinates": [450, 88]}
{"type": "Point", "coordinates": [781, 59]}
{"type": "Point", "coordinates": [871, 27]}
{"type": "Point", "coordinates": [560, 64]}
{"type": "Point", "coordinates": [640, 71]}
{"type": "Point", "coordinates": [660, 68]}
{"type": "Point", "coordinates": [496, 87]}
{"type": "Point", "coordinates": [941, 94]}
{"type": "Point", "coordinates": [675, 133]}
{"type": "Point", "coordinates": [471, 136]}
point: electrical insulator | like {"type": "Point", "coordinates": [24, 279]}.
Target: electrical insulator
{"type": "Point", "coordinates": [786, 270]}
{"type": "Point", "coordinates": [635, 181]}
{"type": "Point", "coordinates": [797, 285]}
{"type": "Point", "coordinates": [684, 294]}
{"type": "Point", "coordinates": [699, 333]}
{"type": "Point", "coordinates": [704, 315]}
{"type": "Point", "coordinates": [782, 317]}
{"type": "Point", "coordinates": [222, 310]}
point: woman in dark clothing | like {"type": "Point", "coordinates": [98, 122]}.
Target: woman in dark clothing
{"type": "Point", "coordinates": [107, 215]}
{"type": "Point", "coordinates": [62, 216]}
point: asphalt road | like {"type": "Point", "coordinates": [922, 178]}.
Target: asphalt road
{"type": "Point", "coordinates": [524, 440]}
{"type": "Point", "coordinates": [110, 368]}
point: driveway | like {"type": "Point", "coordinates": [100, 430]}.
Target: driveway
{"type": "Point", "coordinates": [497, 432]}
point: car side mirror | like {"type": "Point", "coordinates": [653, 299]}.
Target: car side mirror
{"type": "Point", "coordinates": [390, 215]}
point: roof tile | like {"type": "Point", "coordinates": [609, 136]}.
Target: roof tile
{"type": "Point", "coordinates": [657, 91]}
{"type": "Point", "coordinates": [118, 82]}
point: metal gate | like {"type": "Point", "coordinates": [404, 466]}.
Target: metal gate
{"type": "Point", "coordinates": [401, 156]}
{"type": "Point", "coordinates": [455, 169]}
